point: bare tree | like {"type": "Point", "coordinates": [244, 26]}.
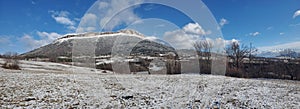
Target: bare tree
{"type": "Point", "coordinates": [203, 48]}
{"type": "Point", "coordinates": [239, 53]}
{"type": "Point", "coordinates": [290, 66]}
{"type": "Point", "coordinates": [10, 55]}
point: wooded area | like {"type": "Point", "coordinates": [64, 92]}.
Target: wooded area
{"type": "Point", "coordinates": [242, 63]}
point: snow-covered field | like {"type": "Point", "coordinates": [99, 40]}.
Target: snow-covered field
{"type": "Point", "coordinates": [51, 85]}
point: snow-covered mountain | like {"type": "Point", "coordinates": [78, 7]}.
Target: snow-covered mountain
{"type": "Point", "coordinates": [104, 43]}
{"type": "Point", "coordinates": [287, 49]}
{"type": "Point", "coordinates": [279, 53]}
{"type": "Point", "coordinates": [268, 54]}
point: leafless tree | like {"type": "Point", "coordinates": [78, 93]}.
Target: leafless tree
{"type": "Point", "coordinates": [239, 53]}
{"type": "Point", "coordinates": [203, 48]}
{"type": "Point", "coordinates": [10, 55]}
{"type": "Point", "coordinates": [291, 67]}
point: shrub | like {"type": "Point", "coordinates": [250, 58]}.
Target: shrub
{"type": "Point", "coordinates": [234, 72]}
{"type": "Point", "coordinates": [11, 64]}
{"type": "Point", "coordinates": [11, 61]}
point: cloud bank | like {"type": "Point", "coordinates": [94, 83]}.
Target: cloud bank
{"type": "Point", "coordinates": [109, 21]}
{"type": "Point", "coordinates": [106, 15]}
{"type": "Point", "coordinates": [185, 37]}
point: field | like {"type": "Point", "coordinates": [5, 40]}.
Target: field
{"type": "Point", "coordinates": [51, 85]}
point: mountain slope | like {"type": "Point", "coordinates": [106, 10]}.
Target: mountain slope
{"type": "Point", "coordinates": [104, 44]}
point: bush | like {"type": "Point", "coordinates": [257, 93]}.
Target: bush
{"type": "Point", "coordinates": [234, 72]}
{"type": "Point", "coordinates": [11, 61]}
{"type": "Point", "coordinates": [11, 64]}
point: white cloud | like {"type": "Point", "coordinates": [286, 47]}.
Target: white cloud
{"type": "Point", "coordinates": [77, 19]}
{"type": "Point", "coordinates": [228, 42]}
{"type": "Point", "coordinates": [30, 42]}
{"type": "Point", "coordinates": [179, 39]}
{"type": "Point", "coordinates": [254, 34]}
{"type": "Point", "coordinates": [194, 28]}
{"type": "Point", "coordinates": [71, 27]}
{"type": "Point", "coordinates": [44, 39]}
{"type": "Point", "coordinates": [270, 28]}
{"type": "Point", "coordinates": [152, 38]}
{"type": "Point", "coordinates": [88, 23]}
{"type": "Point", "coordinates": [185, 37]}
{"type": "Point", "coordinates": [296, 14]}
{"type": "Point", "coordinates": [223, 22]}
{"type": "Point", "coordinates": [219, 42]}
{"type": "Point", "coordinates": [63, 20]}
{"type": "Point", "coordinates": [125, 17]}
{"type": "Point", "coordinates": [62, 17]}
{"type": "Point", "coordinates": [113, 8]}
{"type": "Point", "coordinates": [109, 14]}
{"type": "Point", "coordinates": [103, 5]}
{"type": "Point", "coordinates": [48, 36]}
{"type": "Point", "coordinates": [138, 22]}
{"type": "Point", "coordinates": [281, 33]}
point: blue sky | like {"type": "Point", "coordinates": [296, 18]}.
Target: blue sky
{"type": "Point", "coordinates": [271, 19]}
{"type": "Point", "coordinates": [28, 24]}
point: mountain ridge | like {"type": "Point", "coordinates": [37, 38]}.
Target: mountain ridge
{"type": "Point", "coordinates": [104, 43]}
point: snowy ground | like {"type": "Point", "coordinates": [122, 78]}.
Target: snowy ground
{"type": "Point", "coordinates": [51, 85]}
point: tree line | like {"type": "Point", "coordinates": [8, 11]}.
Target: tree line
{"type": "Point", "coordinates": [241, 62]}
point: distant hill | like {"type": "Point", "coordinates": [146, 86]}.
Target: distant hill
{"type": "Point", "coordinates": [280, 53]}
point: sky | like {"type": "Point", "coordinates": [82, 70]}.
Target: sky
{"type": "Point", "coordinates": [267, 24]}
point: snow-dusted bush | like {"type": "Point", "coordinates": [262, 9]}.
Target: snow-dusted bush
{"type": "Point", "coordinates": [11, 64]}
{"type": "Point", "coordinates": [11, 61]}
